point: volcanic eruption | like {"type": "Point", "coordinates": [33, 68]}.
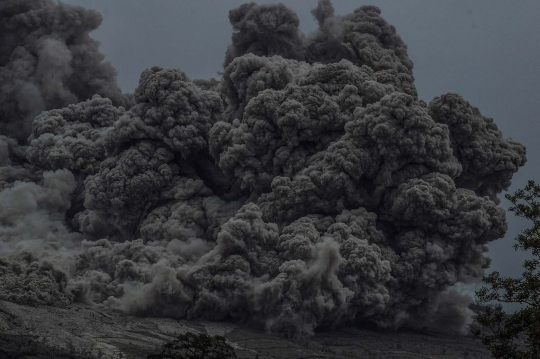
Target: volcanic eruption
{"type": "Point", "coordinates": [309, 188]}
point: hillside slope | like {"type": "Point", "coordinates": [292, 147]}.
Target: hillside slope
{"type": "Point", "coordinates": [48, 332]}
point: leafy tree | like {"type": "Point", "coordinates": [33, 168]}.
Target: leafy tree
{"type": "Point", "coordinates": [193, 346]}
{"type": "Point", "coordinates": [515, 335]}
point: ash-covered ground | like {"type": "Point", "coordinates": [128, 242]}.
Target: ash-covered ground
{"type": "Point", "coordinates": [81, 332]}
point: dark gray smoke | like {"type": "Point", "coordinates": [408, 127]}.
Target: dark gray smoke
{"type": "Point", "coordinates": [264, 30]}
{"type": "Point", "coordinates": [48, 60]}
{"type": "Point", "coordinates": [308, 188]}
{"type": "Point", "coordinates": [363, 37]}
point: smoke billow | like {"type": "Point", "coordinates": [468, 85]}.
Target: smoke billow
{"type": "Point", "coordinates": [308, 188]}
{"type": "Point", "coordinates": [48, 60]}
{"type": "Point", "coordinates": [363, 37]}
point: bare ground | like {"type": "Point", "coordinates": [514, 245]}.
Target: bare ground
{"type": "Point", "coordinates": [82, 332]}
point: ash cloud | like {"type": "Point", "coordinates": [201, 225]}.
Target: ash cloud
{"type": "Point", "coordinates": [308, 188]}
{"type": "Point", "coordinates": [48, 60]}
{"type": "Point", "coordinates": [362, 37]}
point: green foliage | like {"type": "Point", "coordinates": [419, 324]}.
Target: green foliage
{"type": "Point", "coordinates": [193, 346]}
{"type": "Point", "coordinates": [504, 331]}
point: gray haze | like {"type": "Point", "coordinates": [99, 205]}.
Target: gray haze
{"type": "Point", "coordinates": [309, 186]}
{"type": "Point", "coordinates": [485, 50]}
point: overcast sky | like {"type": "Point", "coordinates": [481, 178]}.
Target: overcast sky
{"type": "Point", "coordinates": [488, 51]}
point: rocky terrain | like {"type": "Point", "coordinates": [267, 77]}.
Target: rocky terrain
{"type": "Point", "coordinates": [82, 332]}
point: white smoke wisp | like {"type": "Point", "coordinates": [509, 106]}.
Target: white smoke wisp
{"type": "Point", "coordinates": [308, 188]}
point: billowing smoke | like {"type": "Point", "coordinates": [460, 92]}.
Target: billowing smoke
{"type": "Point", "coordinates": [309, 188]}
{"type": "Point", "coordinates": [48, 60]}
{"type": "Point", "coordinates": [363, 37]}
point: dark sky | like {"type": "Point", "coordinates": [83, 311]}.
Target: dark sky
{"type": "Point", "coordinates": [488, 51]}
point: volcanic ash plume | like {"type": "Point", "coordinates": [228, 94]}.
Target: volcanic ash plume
{"type": "Point", "coordinates": [309, 188]}
{"type": "Point", "coordinates": [47, 61]}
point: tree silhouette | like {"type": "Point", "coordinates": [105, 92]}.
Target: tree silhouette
{"type": "Point", "coordinates": [504, 331]}
{"type": "Point", "coordinates": [196, 346]}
